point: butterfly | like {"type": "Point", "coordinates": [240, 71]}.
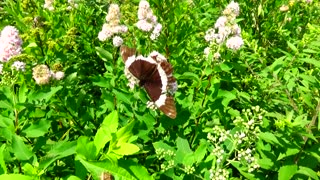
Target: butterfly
{"type": "Point", "coordinates": [154, 74]}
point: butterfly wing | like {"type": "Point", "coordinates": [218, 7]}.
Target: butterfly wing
{"type": "Point", "coordinates": [127, 52]}
{"type": "Point", "coordinates": [155, 77]}
{"type": "Point", "coordinates": [156, 87]}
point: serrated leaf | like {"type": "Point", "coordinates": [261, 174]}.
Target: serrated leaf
{"type": "Point", "coordinates": [287, 172]}
{"type": "Point", "coordinates": [38, 129]}
{"type": "Point", "coordinates": [104, 54]}
{"type": "Point", "coordinates": [20, 150]}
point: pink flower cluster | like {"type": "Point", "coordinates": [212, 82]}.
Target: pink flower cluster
{"type": "Point", "coordinates": [10, 43]}
{"type": "Point", "coordinates": [147, 20]}
{"type": "Point", "coordinates": [226, 29]}
{"type": "Point", "coordinates": [112, 26]}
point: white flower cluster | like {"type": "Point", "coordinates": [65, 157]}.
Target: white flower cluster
{"type": "Point", "coordinates": [147, 20]}
{"type": "Point", "coordinates": [10, 43]}
{"type": "Point", "coordinates": [247, 156]}
{"type": "Point", "coordinates": [112, 26]}
{"type": "Point", "coordinates": [226, 30]}
{"type": "Point", "coordinates": [219, 174]}
{"type": "Point", "coordinates": [19, 66]}
{"type": "Point", "coordinates": [219, 153]}
{"type": "Point", "coordinates": [72, 4]}
{"type": "Point", "coordinates": [132, 79]}
{"type": "Point", "coordinates": [48, 4]}
{"type": "Point", "coordinates": [42, 74]}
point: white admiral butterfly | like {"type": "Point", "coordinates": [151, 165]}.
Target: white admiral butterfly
{"type": "Point", "coordinates": [153, 73]}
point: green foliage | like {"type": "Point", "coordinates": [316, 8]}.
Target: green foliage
{"type": "Point", "coordinates": [248, 113]}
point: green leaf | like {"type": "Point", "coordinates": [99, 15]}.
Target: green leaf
{"type": "Point", "coordinates": [191, 76]}
{"type": "Point", "coordinates": [6, 105]}
{"type": "Point", "coordinates": [108, 126]}
{"type": "Point", "coordinates": [57, 151]}
{"type": "Point", "coordinates": [73, 178]}
{"type": "Point", "coordinates": [183, 145]}
{"type": "Point", "coordinates": [242, 170]}
{"type": "Point", "coordinates": [287, 172]}
{"type": "Point", "coordinates": [266, 163]}
{"type": "Point", "coordinates": [104, 54]}
{"type": "Point", "coordinates": [139, 171]}
{"type": "Point", "coordinates": [200, 152]}
{"type": "Point", "coordinates": [292, 47]}
{"type": "Point", "coordinates": [315, 62]}
{"type": "Point", "coordinates": [100, 81]}
{"type": "Point", "coordinates": [126, 149]}
{"type": "Point", "coordinates": [277, 65]}
{"type": "Point", "coordinates": [3, 167]}
{"type": "Point", "coordinates": [269, 137]}
{"type": "Point", "coordinates": [22, 93]}
{"type": "Point", "coordinates": [122, 96]}
{"type": "Point", "coordinates": [125, 133]}
{"type": "Point", "coordinates": [225, 67]}
{"type": "Point", "coordinates": [38, 129]}
{"type": "Point", "coordinates": [111, 121]}
{"type": "Point", "coordinates": [28, 169]}
{"type": "Point", "coordinates": [162, 145]}
{"type": "Point", "coordinates": [16, 177]}
{"type": "Point", "coordinates": [31, 45]}
{"type": "Point", "coordinates": [184, 154]}
{"type": "Point", "coordinates": [44, 94]}
{"type": "Point", "coordinates": [289, 152]}
{"type": "Point", "coordinates": [97, 168]}
{"type": "Point", "coordinates": [86, 148]}
{"type": "Point", "coordinates": [20, 150]}
{"type": "Point", "coordinates": [227, 96]}
{"type": "Point", "coordinates": [308, 172]}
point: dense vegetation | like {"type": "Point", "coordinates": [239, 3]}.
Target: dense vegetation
{"type": "Point", "coordinates": [247, 103]}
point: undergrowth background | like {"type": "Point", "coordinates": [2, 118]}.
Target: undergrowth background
{"type": "Point", "coordinates": [252, 113]}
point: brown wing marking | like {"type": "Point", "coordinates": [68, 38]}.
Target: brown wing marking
{"type": "Point", "coordinates": [169, 107]}
{"type": "Point", "coordinates": [127, 52]}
